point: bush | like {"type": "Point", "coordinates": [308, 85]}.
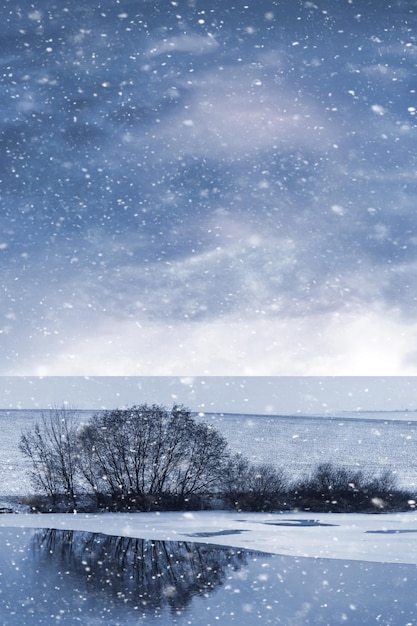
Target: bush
{"type": "Point", "coordinates": [340, 489]}
{"type": "Point", "coordinates": [251, 487]}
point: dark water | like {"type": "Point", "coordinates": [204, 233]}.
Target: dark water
{"type": "Point", "coordinates": [66, 577]}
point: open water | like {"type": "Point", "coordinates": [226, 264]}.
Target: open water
{"type": "Point", "coordinates": [77, 577]}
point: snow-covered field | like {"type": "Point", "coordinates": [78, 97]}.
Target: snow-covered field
{"type": "Point", "coordinates": [371, 441]}
{"type": "Point", "coordinates": [300, 569]}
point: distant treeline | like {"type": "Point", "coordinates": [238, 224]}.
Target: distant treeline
{"type": "Point", "coordinates": [148, 457]}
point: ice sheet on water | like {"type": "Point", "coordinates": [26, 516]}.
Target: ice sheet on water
{"type": "Point", "coordinates": [95, 578]}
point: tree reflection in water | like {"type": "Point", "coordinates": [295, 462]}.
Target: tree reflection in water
{"type": "Point", "coordinates": [149, 576]}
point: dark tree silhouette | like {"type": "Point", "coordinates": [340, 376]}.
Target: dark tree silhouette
{"type": "Point", "coordinates": [52, 448]}
{"type": "Point", "coordinates": [143, 450]}
{"type": "Point", "coordinates": [252, 486]}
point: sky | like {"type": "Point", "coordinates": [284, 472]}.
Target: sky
{"type": "Point", "coordinates": [208, 188]}
{"type": "Point", "coordinates": [265, 395]}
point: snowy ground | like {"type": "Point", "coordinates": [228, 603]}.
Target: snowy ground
{"type": "Point", "coordinates": [384, 538]}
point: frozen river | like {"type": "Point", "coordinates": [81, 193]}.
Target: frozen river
{"type": "Point", "coordinates": [221, 568]}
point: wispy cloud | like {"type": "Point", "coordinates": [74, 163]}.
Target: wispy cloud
{"type": "Point", "coordinates": [235, 113]}
{"type": "Point", "coordinates": [193, 43]}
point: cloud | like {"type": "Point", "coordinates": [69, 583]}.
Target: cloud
{"type": "Point", "coordinates": [235, 113]}
{"type": "Point", "coordinates": [330, 344]}
{"type": "Point", "coordinates": [167, 177]}
{"type": "Point", "coordinates": [192, 43]}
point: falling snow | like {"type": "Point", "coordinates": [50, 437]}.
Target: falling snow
{"type": "Point", "coordinates": [275, 569]}
{"type": "Point", "coordinates": [146, 148]}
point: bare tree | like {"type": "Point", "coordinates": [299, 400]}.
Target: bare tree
{"type": "Point", "coordinates": [202, 465]}
{"type": "Point", "coordinates": [121, 450]}
{"type": "Point", "coordinates": [52, 448]}
{"type": "Point", "coordinates": [148, 449]}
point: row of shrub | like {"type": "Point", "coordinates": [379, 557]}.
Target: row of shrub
{"type": "Point", "coordinates": [328, 488]}
{"type": "Point", "coordinates": [148, 458]}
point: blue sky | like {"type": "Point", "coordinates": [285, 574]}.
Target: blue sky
{"type": "Point", "coordinates": [233, 394]}
{"type": "Point", "coordinates": [208, 188]}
